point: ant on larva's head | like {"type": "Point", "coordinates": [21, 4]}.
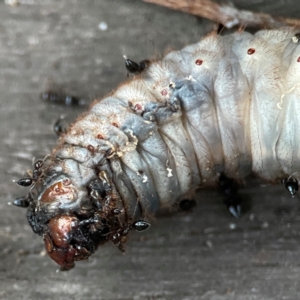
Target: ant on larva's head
{"type": "Point", "coordinates": [21, 201]}
{"type": "Point", "coordinates": [32, 176]}
{"type": "Point", "coordinates": [27, 181]}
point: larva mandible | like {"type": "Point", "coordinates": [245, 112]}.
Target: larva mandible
{"type": "Point", "coordinates": [215, 111]}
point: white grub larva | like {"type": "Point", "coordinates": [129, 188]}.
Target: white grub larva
{"type": "Point", "coordinates": [212, 113]}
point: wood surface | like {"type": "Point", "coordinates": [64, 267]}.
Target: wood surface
{"type": "Point", "coordinates": [203, 255]}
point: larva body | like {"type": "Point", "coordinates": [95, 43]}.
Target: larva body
{"type": "Point", "coordinates": [226, 105]}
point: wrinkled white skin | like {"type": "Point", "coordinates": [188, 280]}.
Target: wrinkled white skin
{"type": "Point", "coordinates": [180, 123]}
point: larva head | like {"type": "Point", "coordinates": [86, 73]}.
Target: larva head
{"type": "Point", "coordinates": [61, 192]}
{"type": "Point", "coordinates": [74, 214]}
{"type": "Point", "coordinates": [57, 239]}
{"type": "Point", "coordinates": [67, 239]}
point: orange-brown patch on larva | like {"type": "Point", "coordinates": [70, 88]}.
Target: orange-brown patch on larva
{"type": "Point", "coordinates": [115, 124]}
{"type": "Point", "coordinates": [100, 136]}
{"type": "Point", "coordinates": [58, 191]}
{"type": "Point", "coordinates": [250, 51]}
{"type": "Point", "coordinates": [138, 106]}
{"type": "Point", "coordinates": [91, 148]}
{"type": "Point", "coordinates": [298, 59]}
{"type": "Point", "coordinates": [198, 62]}
{"type": "Point", "coordinates": [164, 92]}
{"type": "Point", "coordinates": [60, 227]}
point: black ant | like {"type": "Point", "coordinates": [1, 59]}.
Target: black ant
{"type": "Point", "coordinates": [187, 205]}
{"type": "Point", "coordinates": [229, 188]}
{"type": "Point", "coordinates": [140, 225]}
{"type": "Point", "coordinates": [27, 181]}
{"type": "Point", "coordinates": [60, 127]}
{"type": "Point", "coordinates": [60, 98]}
{"type": "Point", "coordinates": [291, 184]}
{"type": "Point", "coordinates": [22, 202]}
{"type": "Point", "coordinates": [136, 68]}
{"type": "Point", "coordinates": [296, 38]}
{"type": "Point", "coordinates": [117, 237]}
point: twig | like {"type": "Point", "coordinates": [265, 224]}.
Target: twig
{"type": "Point", "coordinates": [227, 15]}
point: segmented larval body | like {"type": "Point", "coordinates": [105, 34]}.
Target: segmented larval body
{"type": "Point", "coordinates": [226, 105]}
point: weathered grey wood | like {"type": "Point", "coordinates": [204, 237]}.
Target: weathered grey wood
{"type": "Point", "coordinates": [203, 255]}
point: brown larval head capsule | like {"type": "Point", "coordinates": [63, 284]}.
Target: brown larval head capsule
{"type": "Point", "coordinates": [57, 241]}
{"type": "Point", "coordinates": [75, 212]}
{"type": "Point", "coordinates": [50, 198]}
{"type": "Point", "coordinates": [68, 240]}
{"type": "Point", "coordinates": [60, 229]}
{"type": "Point", "coordinates": [65, 257]}
{"type": "Point", "coordinates": [62, 192]}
